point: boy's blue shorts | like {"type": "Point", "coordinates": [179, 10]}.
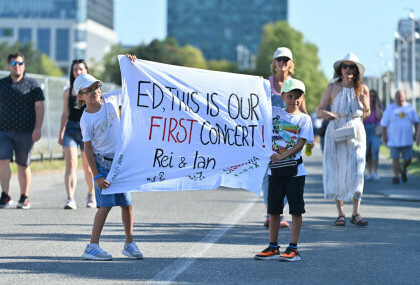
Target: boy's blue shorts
{"type": "Point", "coordinates": [111, 200]}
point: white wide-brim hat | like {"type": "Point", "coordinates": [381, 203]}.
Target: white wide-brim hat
{"type": "Point", "coordinates": [84, 81]}
{"type": "Point", "coordinates": [353, 58]}
{"type": "Point", "coordinates": [283, 51]}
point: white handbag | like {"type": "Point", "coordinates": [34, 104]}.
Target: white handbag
{"type": "Point", "coordinates": [344, 134]}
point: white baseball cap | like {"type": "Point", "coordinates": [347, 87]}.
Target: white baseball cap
{"type": "Point", "coordinates": [84, 81]}
{"type": "Point", "coordinates": [353, 58]}
{"type": "Point", "coordinates": [283, 51]}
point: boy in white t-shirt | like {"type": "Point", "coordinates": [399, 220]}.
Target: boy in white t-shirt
{"type": "Point", "coordinates": [100, 124]}
{"type": "Point", "coordinates": [291, 130]}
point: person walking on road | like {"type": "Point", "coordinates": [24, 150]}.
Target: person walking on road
{"type": "Point", "coordinates": [397, 132]}
{"type": "Point", "coordinates": [345, 137]}
{"type": "Point", "coordinates": [291, 130]}
{"type": "Point", "coordinates": [70, 137]}
{"type": "Point", "coordinates": [100, 124]}
{"type": "Point", "coordinates": [373, 135]}
{"type": "Point", "coordinates": [21, 116]}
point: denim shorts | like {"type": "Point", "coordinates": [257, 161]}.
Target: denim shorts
{"type": "Point", "coordinates": [373, 141]}
{"type": "Point", "coordinates": [20, 143]}
{"type": "Point", "coordinates": [73, 135]}
{"type": "Point", "coordinates": [406, 151]}
{"type": "Point", "coordinates": [111, 200]}
{"type": "Point", "coordinates": [73, 140]}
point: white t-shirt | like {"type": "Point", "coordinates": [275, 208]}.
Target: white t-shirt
{"type": "Point", "coordinates": [102, 127]}
{"type": "Point", "coordinates": [287, 129]}
{"type": "Point", "coordinates": [399, 122]}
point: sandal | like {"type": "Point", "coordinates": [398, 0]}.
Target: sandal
{"type": "Point", "coordinates": [341, 221]}
{"type": "Point", "coordinates": [358, 222]}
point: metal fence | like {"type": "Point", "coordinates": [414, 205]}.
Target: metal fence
{"type": "Point", "coordinates": [47, 147]}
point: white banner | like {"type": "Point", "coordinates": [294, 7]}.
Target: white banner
{"type": "Point", "coordinates": [190, 129]}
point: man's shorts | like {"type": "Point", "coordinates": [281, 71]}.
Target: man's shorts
{"type": "Point", "coordinates": [291, 187]}
{"type": "Point", "coordinates": [406, 152]}
{"type": "Point", "coordinates": [20, 143]}
{"type": "Point", "coordinates": [111, 200]}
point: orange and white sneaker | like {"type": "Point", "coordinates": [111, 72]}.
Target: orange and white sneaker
{"type": "Point", "coordinates": [291, 254]}
{"type": "Point", "coordinates": [268, 253]}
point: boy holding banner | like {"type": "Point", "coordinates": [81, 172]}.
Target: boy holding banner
{"type": "Point", "coordinates": [291, 130]}
{"type": "Point", "coordinates": [100, 124]}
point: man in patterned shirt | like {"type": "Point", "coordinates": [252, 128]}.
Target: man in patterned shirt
{"type": "Point", "coordinates": [21, 115]}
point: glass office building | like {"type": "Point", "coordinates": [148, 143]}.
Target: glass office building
{"type": "Point", "coordinates": [62, 29]}
{"type": "Point", "coordinates": [404, 43]}
{"type": "Point", "coordinates": [219, 27]}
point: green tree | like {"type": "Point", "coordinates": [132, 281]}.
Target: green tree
{"type": "Point", "coordinates": [223, 65]}
{"type": "Point", "coordinates": [48, 67]}
{"type": "Point", "coordinates": [110, 72]}
{"type": "Point", "coordinates": [35, 62]}
{"type": "Point", "coordinates": [164, 51]}
{"type": "Point", "coordinates": [305, 57]}
{"type": "Point", "coordinates": [193, 57]}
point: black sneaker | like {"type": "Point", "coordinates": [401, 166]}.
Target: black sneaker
{"type": "Point", "coordinates": [291, 254]}
{"type": "Point", "coordinates": [5, 200]}
{"type": "Point", "coordinates": [23, 204]}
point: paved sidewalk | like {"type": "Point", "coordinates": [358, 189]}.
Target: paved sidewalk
{"type": "Point", "coordinates": [409, 191]}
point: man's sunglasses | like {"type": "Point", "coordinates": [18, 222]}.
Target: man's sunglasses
{"type": "Point", "coordinates": [345, 66]}
{"type": "Point", "coordinates": [13, 63]}
{"type": "Point", "coordinates": [282, 59]}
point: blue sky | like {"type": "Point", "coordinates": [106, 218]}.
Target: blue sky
{"type": "Point", "coordinates": [364, 27]}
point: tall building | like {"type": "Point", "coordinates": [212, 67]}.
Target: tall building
{"type": "Point", "coordinates": [404, 52]}
{"type": "Point", "coordinates": [222, 29]}
{"type": "Point", "coordinates": [62, 29]}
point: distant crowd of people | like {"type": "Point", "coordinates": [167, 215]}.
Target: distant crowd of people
{"type": "Point", "coordinates": [350, 121]}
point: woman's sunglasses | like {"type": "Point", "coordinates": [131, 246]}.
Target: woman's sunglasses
{"type": "Point", "coordinates": [282, 59]}
{"type": "Point", "coordinates": [13, 63]}
{"type": "Point", "coordinates": [345, 66]}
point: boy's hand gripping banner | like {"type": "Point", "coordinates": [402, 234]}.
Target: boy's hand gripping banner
{"type": "Point", "coordinates": [190, 129]}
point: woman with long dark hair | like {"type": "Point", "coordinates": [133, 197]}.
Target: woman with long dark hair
{"type": "Point", "coordinates": [70, 137]}
{"type": "Point", "coordinates": [373, 135]}
{"type": "Point", "coordinates": [345, 137]}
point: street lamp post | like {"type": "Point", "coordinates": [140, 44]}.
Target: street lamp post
{"type": "Point", "coordinates": [386, 79]}
{"type": "Point", "coordinates": [414, 36]}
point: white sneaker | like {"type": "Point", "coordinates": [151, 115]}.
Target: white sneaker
{"type": "Point", "coordinates": [132, 251]}
{"type": "Point", "coordinates": [376, 176]}
{"type": "Point", "coordinates": [368, 177]}
{"type": "Point", "coordinates": [94, 252]}
{"type": "Point", "coordinates": [70, 204]}
{"type": "Point", "coordinates": [91, 203]}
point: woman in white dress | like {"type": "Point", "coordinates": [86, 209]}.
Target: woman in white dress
{"type": "Point", "coordinates": [344, 161]}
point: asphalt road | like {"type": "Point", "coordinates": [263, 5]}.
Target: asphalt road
{"type": "Point", "coordinates": [210, 237]}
